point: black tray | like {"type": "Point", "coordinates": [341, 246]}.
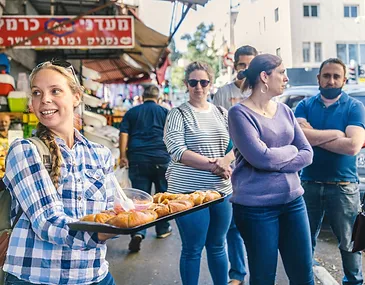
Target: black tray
{"type": "Point", "coordinates": [109, 229]}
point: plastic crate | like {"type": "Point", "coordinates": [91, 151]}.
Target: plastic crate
{"type": "Point", "coordinates": [18, 104]}
{"type": "Point", "coordinates": [7, 84]}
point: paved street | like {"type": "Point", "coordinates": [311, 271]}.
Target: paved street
{"type": "Point", "coordinates": [157, 263]}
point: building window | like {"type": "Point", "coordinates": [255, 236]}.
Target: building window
{"type": "Point", "coordinates": [350, 11]}
{"type": "Point", "coordinates": [318, 52]}
{"type": "Point", "coordinates": [353, 54]}
{"type": "Point", "coordinates": [278, 52]}
{"type": "Point", "coordinates": [276, 14]}
{"type": "Point", "coordinates": [310, 10]}
{"type": "Point", "coordinates": [362, 54]}
{"type": "Point", "coordinates": [306, 51]}
{"type": "Point", "coordinates": [342, 52]}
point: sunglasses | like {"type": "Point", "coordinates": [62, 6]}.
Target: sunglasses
{"type": "Point", "coordinates": [61, 63]}
{"type": "Point", "coordinates": [194, 82]}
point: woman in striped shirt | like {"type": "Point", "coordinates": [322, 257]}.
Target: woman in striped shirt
{"type": "Point", "coordinates": [42, 248]}
{"type": "Point", "coordinates": [196, 136]}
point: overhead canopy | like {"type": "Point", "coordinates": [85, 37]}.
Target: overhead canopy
{"type": "Point", "coordinates": [114, 65]}
{"type": "Point", "coordinates": [147, 55]}
{"type": "Point", "coordinates": [198, 2]}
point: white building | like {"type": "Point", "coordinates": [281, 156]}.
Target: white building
{"type": "Point", "coordinates": [304, 32]}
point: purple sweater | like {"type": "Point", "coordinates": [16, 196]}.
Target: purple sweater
{"type": "Point", "coordinates": [269, 154]}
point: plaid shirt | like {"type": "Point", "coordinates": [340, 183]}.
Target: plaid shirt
{"type": "Point", "coordinates": [42, 248]}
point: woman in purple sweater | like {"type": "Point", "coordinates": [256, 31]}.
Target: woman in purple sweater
{"type": "Point", "coordinates": [270, 149]}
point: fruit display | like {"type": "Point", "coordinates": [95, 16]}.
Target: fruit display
{"type": "Point", "coordinates": [3, 151]}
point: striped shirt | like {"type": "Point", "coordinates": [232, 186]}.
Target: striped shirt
{"type": "Point", "coordinates": [203, 132]}
{"type": "Point", "coordinates": [42, 248]}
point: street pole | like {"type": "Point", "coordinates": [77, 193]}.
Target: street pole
{"type": "Point", "coordinates": [230, 40]}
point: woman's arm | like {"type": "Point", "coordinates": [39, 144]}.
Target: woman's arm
{"type": "Point", "coordinates": [246, 139]}
{"type": "Point", "coordinates": [30, 184]}
{"type": "Point", "coordinates": [305, 152]}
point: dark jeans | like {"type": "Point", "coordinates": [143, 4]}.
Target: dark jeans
{"type": "Point", "coordinates": [236, 253]}
{"type": "Point", "coordinates": [265, 230]}
{"type": "Point", "coordinates": [12, 280]}
{"type": "Point", "coordinates": [341, 204]}
{"type": "Point", "coordinates": [142, 175]}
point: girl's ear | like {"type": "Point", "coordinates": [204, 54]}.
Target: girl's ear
{"type": "Point", "coordinates": [76, 100]}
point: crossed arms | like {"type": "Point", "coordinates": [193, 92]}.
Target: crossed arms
{"type": "Point", "coordinates": [349, 142]}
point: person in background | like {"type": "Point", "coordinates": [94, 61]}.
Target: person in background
{"type": "Point", "coordinates": [4, 125]}
{"type": "Point", "coordinates": [227, 96]}
{"type": "Point", "coordinates": [197, 139]}
{"type": "Point", "coordinates": [334, 123]}
{"type": "Point", "coordinates": [270, 149]}
{"type": "Point", "coordinates": [230, 94]}
{"type": "Point", "coordinates": [142, 150]}
{"type": "Point", "coordinates": [42, 248]}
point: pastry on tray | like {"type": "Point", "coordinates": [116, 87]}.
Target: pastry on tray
{"type": "Point", "coordinates": [164, 204]}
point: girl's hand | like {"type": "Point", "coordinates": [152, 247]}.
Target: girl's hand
{"type": "Point", "coordinates": [104, 237]}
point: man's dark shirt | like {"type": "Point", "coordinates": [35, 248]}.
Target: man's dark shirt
{"type": "Point", "coordinates": [144, 125]}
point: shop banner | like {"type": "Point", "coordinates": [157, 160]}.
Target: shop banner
{"type": "Point", "coordinates": [59, 32]}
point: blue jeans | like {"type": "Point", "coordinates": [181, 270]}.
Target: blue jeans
{"type": "Point", "coordinates": [236, 253]}
{"type": "Point", "coordinates": [12, 280]}
{"type": "Point", "coordinates": [266, 230]}
{"type": "Point", "coordinates": [207, 227]}
{"type": "Point", "coordinates": [341, 205]}
{"type": "Point", "coordinates": [142, 175]}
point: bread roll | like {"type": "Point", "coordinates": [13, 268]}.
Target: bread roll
{"type": "Point", "coordinates": [198, 197]}
{"type": "Point", "coordinates": [179, 205]}
{"type": "Point", "coordinates": [141, 217]}
{"type": "Point", "coordinates": [160, 197]}
{"type": "Point", "coordinates": [211, 195]}
{"type": "Point", "coordinates": [160, 209]}
{"type": "Point", "coordinates": [104, 216]}
{"type": "Point", "coordinates": [88, 218]}
{"type": "Point", "coordinates": [132, 219]}
{"type": "Point", "coordinates": [100, 217]}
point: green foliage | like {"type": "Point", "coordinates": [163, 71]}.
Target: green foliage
{"type": "Point", "coordinates": [177, 77]}
{"type": "Point", "coordinates": [199, 48]}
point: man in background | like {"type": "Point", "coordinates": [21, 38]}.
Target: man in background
{"type": "Point", "coordinates": [334, 124]}
{"type": "Point", "coordinates": [141, 132]}
{"type": "Point", "coordinates": [230, 94]}
{"type": "Point", "coordinates": [227, 96]}
{"type": "Point", "coordinates": [4, 125]}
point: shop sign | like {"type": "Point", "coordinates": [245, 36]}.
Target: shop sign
{"type": "Point", "coordinates": [59, 32]}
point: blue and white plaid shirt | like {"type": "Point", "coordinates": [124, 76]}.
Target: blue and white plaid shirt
{"type": "Point", "coordinates": [42, 248]}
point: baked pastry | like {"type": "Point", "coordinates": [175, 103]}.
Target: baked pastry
{"type": "Point", "coordinates": [88, 218]}
{"type": "Point", "coordinates": [179, 205]}
{"type": "Point", "coordinates": [100, 217]}
{"type": "Point", "coordinates": [211, 195]}
{"type": "Point", "coordinates": [160, 209]}
{"type": "Point", "coordinates": [198, 197]}
{"type": "Point", "coordinates": [132, 219]}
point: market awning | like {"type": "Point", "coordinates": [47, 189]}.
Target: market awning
{"type": "Point", "coordinates": [114, 65]}
{"type": "Point", "coordinates": [147, 56]}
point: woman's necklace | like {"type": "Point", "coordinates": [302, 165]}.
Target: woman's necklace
{"type": "Point", "coordinates": [262, 111]}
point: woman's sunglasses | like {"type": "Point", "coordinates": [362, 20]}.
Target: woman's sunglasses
{"type": "Point", "coordinates": [194, 82]}
{"type": "Point", "coordinates": [61, 63]}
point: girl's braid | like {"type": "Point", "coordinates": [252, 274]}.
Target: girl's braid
{"type": "Point", "coordinates": [48, 138]}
